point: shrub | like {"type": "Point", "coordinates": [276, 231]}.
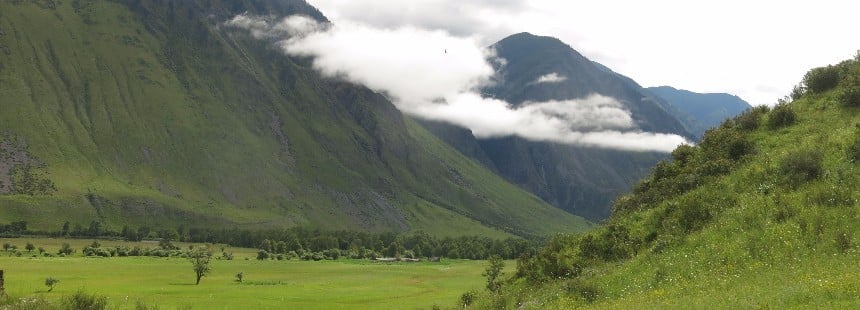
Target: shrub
{"type": "Point", "coordinates": [66, 249]}
{"type": "Point", "coordinates": [494, 273]}
{"type": "Point", "coordinates": [798, 91]}
{"type": "Point", "coordinates": [83, 301]}
{"type": "Point", "coordinates": [821, 79]}
{"type": "Point", "coordinates": [468, 298]}
{"type": "Point", "coordinates": [750, 119]}
{"type": "Point", "coordinates": [240, 276]}
{"type": "Point", "coordinates": [850, 96]}
{"type": "Point", "coordinates": [781, 116]}
{"type": "Point", "coordinates": [586, 290]}
{"type": "Point", "coordinates": [800, 166]}
{"type": "Point", "coordinates": [683, 153]}
{"type": "Point", "coordinates": [613, 243]}
{"type": "Point", "coordinates": [51, 282]}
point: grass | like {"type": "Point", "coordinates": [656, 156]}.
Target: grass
{"type": "Point", "coordinates": [169, 282]}
{"type": "Point", "coordinates": [759, 238]}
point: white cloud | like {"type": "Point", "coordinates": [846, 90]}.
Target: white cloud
{"type": "Point", "coordinates": [270, 27]}
{"type": "Point", "coordinates": [754, 49]}
{"type": "Point", "coordinates": [550, 78]}
{"type": "Point", "coordinates": [435, 75]}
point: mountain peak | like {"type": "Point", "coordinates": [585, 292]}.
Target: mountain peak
{"type": "Point", "coordinates": [530, 42]}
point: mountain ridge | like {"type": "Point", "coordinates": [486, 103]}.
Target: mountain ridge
{"type": "Point", "coordinates": [580, 180]}
{"type": "Point", "coordinates": [701, 111]}
{"type": "Point", "coordinates": [149, 113]}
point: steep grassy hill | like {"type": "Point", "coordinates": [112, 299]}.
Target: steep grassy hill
{"type": "Point", "coordinates": [704, 111]}
{"type": "Point", "coordinates": [152, 113]}
{"type": "Point", "coordinates": [580, 180]}
{"type": "Point", "coordinates": [762, 214]}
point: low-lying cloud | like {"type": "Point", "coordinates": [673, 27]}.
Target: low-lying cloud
{"type": "Point", "coordinates": [437, 76]}
{"type": "Point", "coordinates": [550, 78]}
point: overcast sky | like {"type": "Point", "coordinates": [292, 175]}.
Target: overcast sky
{"type": "Point", "coordinates": [755, 49]}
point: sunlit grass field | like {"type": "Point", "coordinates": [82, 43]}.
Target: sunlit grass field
{"type": "Point", "coordinates": [168, 283]}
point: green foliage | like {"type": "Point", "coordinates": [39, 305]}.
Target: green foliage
{"type": "Point", "coordinates": [821, 79]}
{"type": "Point", "coordinates": [51, 282]}
{"type": "Point", "coordinates": [755, 228]}
{"type": "Point", "coordinates": [468, 298]}
{"type": "Point", "coordinates": [850, 96]}
{"type": "Point", "coordinates": [66, 249]}
{"type": "Point", "coordinates": [494, 273]}
{"type": "Point", "coordinates": [797, 92]}
{"type": "Point", "coordinates": [749, 120]}
{"type": "Point", "coordinates": [200, 261]}
{"type": "Point", "coordinates": [610, 244]}
{"type": "Point", "coordinates": [801, 165]}
{"type": "Point", "coordinates": [586, 290]}
{"type": "Point", "coordinates": [83, 301]}
{"type": "Point", "coordinates": [781, 116]}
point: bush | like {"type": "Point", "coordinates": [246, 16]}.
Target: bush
{"type": "Point", "coordinates": [468, 298]}
{"type": "Point", "coordinates": [850, 96]}
{"type": "Point", "coordinates": [612, 244]}
{"type": "Point", "coordinates": [821, 79]}
{"type": "Point", "coordinates": [83, 301]}
{"type": "Point", "coordinates": [66, 249]}
{"type": "Point", "coordinates": [51, 282]}
{"type": "Point", "coordinates": [750, 119]}
{"type": "Point", "coordinates": [800, 166]}
{"type": "Point", "coordinates": [781, 116]}
{"type": "Point", "coordinates": [798, 91]}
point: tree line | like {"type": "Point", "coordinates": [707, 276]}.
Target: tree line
{"type": "Point", "coordinates": [355, 244]}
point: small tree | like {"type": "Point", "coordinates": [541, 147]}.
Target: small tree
{"type": "Point", "coordinates": [50, 282]}
{"type": "Point", "coordinates": [200, 259]}
{"type": "Point", "coordinates": [7, 246]}
{"type": "Point", "coordinates": [494, 273]}
{"type": "Point", "coordinates": [468, 298]}
{"type": "Point", "coordinates": [30, 247]}
{"type": "Point", "coordinates": [239, 276]}
{"type": "Point", "coordinates": [66, 249]}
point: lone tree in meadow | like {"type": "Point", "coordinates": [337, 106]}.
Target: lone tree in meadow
{"type": "Point", "coordinates": [494, 273]}
{"type": "Point", "coordinates": [200, 258]}
{"type": "Point", "coordinates": [30, 247]}
{"type": "Point", "coordinates": [50, 282]}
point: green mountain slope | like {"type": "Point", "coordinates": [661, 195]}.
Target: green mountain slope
{"type": "Point", "coordinates": [580, 180]}
{"type": "Point", "coordinates": [704, 111]}
{"type": "Point", "coordinates": [762, 214]}
{"type": "Point", "coordinates": [151, 113]}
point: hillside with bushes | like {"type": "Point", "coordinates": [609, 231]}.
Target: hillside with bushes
{"type": "Point", "coordinates": [762, 213]}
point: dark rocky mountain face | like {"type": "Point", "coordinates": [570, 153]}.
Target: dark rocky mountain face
{"type": "Point", "coordinates": [580, 180]}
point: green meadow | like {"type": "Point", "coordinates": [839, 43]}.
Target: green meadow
{"type": "Point", "coordinates": [168, 283]}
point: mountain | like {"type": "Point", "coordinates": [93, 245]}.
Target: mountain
{"type": "Point", "coordinates": [705, 110]}
{"type": "Point", "coordinates": [761, 214]}
{"type": "Point", "coordinates": [152, 113]}
{"type": "Point", "coordinates": [580, 180]}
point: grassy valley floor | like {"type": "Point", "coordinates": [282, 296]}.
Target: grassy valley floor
{"type": "Point", "coordinates": [168, 283]}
